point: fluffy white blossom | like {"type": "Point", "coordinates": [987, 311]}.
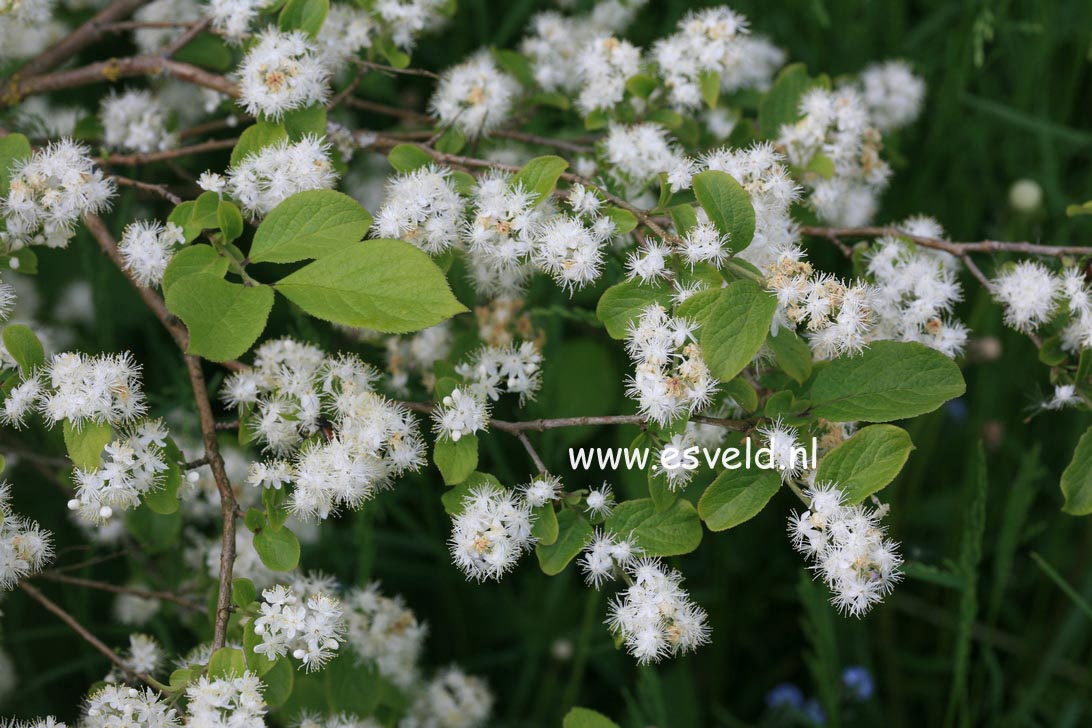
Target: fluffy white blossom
{"type": "Point", "coordinates": [421, 207]}
{"type": "Point", "coordinates": [144, 655]}
{"type": "Point", "coordinates": [491, 532]}
{"type": "Point", "coordinates": [348, 30]}
{"type": "Point", "coordinates": [281, 72]}
{"type": "Point", "coordinates": [133, 610]}
{"type": "Point", "coordinates": [136, 121]}
{"type": "Point", "coordinates": [654, 616]}
{"type": "Point", "coordinates": [671, 377]}
{"type": "Point", "coordinates": [81, 388]}
{"type": "Point", "coordinates": [150, 40]}
{"type": "Point", "coordinates": [703, 243]}
{"type": "Point", "coordinates": [639, 152]}
{"type": "Point", "coordinates": [569, 251]}
{"type": "Point", "coordinates": [1029, 292]}
{"type": "Point", "coordinates": [384, 631]}
{"type": "Point", "coordinates": [131, 466]}
{"type": "Point", "coordinates": [892, 93]}
{"type": "Point", "coordinates": [787, 456]}
{"type": "Point", "coordinates": [1065, 395]}
{"type": "Point", "coordinates": [848, 548]}
{"type": "Point", "coordinates": [233, 18]}
{"type": "Point", "coordinates": [405, 20]}
{"type": "Point", "coordinates": [606, 556]}
{"type": "Point", "coordinates": [542, 489]}
{"type": "Point", "coordinates": [310, 628]}
{"type": "Point", "coordinates": [604, 68]}
{"type": "Point", "coordinates": [147, 246]}
{"type": "Point", "coordinates": [49, 192]}
{"type": "Point", "coordinates": [25, 547]}
{"type": "Point", "coordinates": [264, 179]}
{"type": "Point", "coordinates": [493, 370]}
{"type": "Point", "coordinates": [226, 701]}
{"type": "Point", "coordinates": [452, 699]}
{"type": "Point", "coordinates": [499, 234]}
{"type": "Point", "coordinates": [460, 413]}
{"type": "Point", "coordinates": [600, 501]}
{"type": "Point", "coordinates": [649, 262]}
{"type": "Point", "coordinates": [115, 706]}
{"type": "Point", "coordinates": [475, 96]}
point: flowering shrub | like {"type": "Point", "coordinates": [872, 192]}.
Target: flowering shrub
{"type": "Point", "coordinates": [377, 312]}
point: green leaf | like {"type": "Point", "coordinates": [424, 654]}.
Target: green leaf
{"type": "Point", "coordinates": [891, 380]}
{"type": "Point", "coordinates": [573, 533]}
{"type": "Point", "coordinates": [710, 87]}
{"type": "Point", "coordinates": [728, 206]}
{"type": "Point", "coordinates": [164, 499]}
{"type": "Point", "coordinates": [453, 497]}
{"type": "Point", "coordinates": [386, 285]}
{"type": "Point", "coordinates": [584, 718]}
{"type": "Point", "coordinates": [309, 225]}
{"type": "Point", "coordinates": [352, 688]}
{"type": "Point", "coordinates": [13, 148]}
{"type": "Point", "coordinates": [394, 55]}
{"type": "Point", "coordinates": [735, 328]}
{"type": "Point", "coordinates": [540, 175]}
{"type": "Point", "coordinates": [194, 259]}
{"type": "Point", "coordinates": [866, 462]}
{"type": "Point", "coordinates": [23, 346]}
{"type": "Point", "coordinates": [197, 215]}
{"type": "Point", "coordinates": [742, 393]}
{"type": "Point", "coordinates": [305, 15]}
{"type": "Point", "coordinates": [230, 220]}
{"type": "Point", "coordinates": [545, 528]}
{"type": "Point", "coordinates": [273, 500]}
{"type": "Point", "coordinates": [85, 444]}
{"type": "Point", "coordinates": [781, 104]}
{"type": "Point", "coordinates": [792, 354]}
{"type": "Point", "coordinates": [257, 661]}
{"type": "Point", "coordinates": [308, 121]}
{"type": "Point", "coordinates": [684, 217]}
{"type": "Point", "coordinates": [1077, 478]}
{"type": "Point", "coordinates": [821, 165]}
{"type": "Point", "coordinates": [516, 64]}
{"type": "Point", "coordinates": [224, 319]}
{"type": "Point", "coordinates": [624, 220]}
{"type": "Point", "coordinates": [155, 532]}
{"type": "Point", "coordinates": [279, 683]}
{"type": "Point", "coordinates": [278, 550]}
{"type": "Point", "coordinates": [226, 662]}
{"type": "Point", "coordinates": [672, 532]}
{"type": "Point", "coordinates": [456, 460]}
{"type": "Point", "coordinates": [451, 141]}
{"type": "Point", "coordinates": [206, 50]}
{"type": "Point", "coordinates": [665, 117]}
{"type": "Point", "coordinates": [255, 138]}
{"type": "Point", "coordinates": [622, 303]}
{"type": "Point", "coordinates": [660, 491]}
{"type": "Point", "coordinates": [408, 157]}
{"type": "Point", "coordinates": [642, 85]}
{"type": "Point", "coordinates": [737, 496]}
{"type": "Point", "coordinates": [254, 519]}
{"type": "Point", "coordinates": [243, 593]}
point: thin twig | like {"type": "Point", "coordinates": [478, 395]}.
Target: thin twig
{"type": "Point", "coordinates": [160, 190]}
{"type": "Point", "coordinates": [522, 436]}
{"type": "Point", "coordinates": [83, 36]}
{"type": "Point", "coordinates": [165, 596]}
{"type": "Point", "coordinates": [955, 248]}
{"type": "Point", "coordinates": [184, 39]}
{"type": "Point", "coordinates": [209, 146]}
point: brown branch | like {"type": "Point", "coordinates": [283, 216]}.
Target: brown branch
{"type": "Point", "coordinates": [136, 184]}
{"type": "Point", "coordinates": [89, 638]}
{"type": "Point", "coordinates": [209, 146]}
{"type": "Point", "coordinates": [22, 86]}
{"type": "Point", "coordinates": [83, 36]}
{"type": "Point", "coordinates": [955, 248]}
{"type": "Point", "coordinates": [228, 507]}
{"type": "Point", "coordinates": [184, 39]}
{"type": "Point", "coordinates": [128, 590]}
{"type": "Point", "coordinates": [370, 66]}
{"type": "Point", "coordinates": [526, 442]}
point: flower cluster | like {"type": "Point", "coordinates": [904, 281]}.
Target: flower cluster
{"type": "Point", "coordinates": [295, 391]}
{"type": "Point", "coordinates": [1032, 294]}
{"type": "Point", "coordinates": [226, 701]}
{"type": "Point", "coordinates": [848, 548]}
{"type": "Point", "coordinates": [348, 30]}
{"type": "Point", "coordinates": [340, 720]}
{"type": "Point", "coordinates": [281, 72]}
{"type": "Point", "coordinates": [135, 121]}
{"type": "Point", "coordinates": [492, 370]}
{"type": "Point", "coordinates": [452, 699]}
{"type": "Point", "coordinates": [147, 246]}
{"type": "Point", "coordinates": [474, 97]}
{"type": "Point", "coordinates": [309, 628]}
{"type": "Point", "coordinates": [491, 532]}
{"type": "Point", "coordinates": [835, 125]}
{"type": "Point", "coordinates": [49, 192]}
{"type": "Point", "coordinates": [151, 39]}
{"type": "Point", "coordinates": [131, 466]}
{"type": "Point", "coordinates": [120, 705]}
{"type": "Point", "coordinates": [670, 377]}
{"type": "Point", "coordinates": [639, 152]}
{"type": "Point", "coordinates": [606, 555]}
{"type": "Point", "coordinates": [25, 547]}
{"type": "Point", "coordinates": [654, 615]}
{"type": "Point", "coordinates": [79, 388]}
{"type": "Point", "coordinates": [459, 414]}
{"type": "Point", "coordinates": [892, 94]}
{"type": "Point", "coordinates": [265, 178]}
{"type": "Point", "coordinates": [384, 631]}
{"type": "Point", "coordinates": [604, 68]}
{"type": "Point", "coordinates": [421, 207]}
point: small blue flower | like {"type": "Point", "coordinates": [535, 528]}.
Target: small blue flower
{"type": "Point", "coordinates": [858, 681]}
{"type": "Point", "coordinates": [814, 713]}
{"type": "Point", "coordinates": [785, 695]}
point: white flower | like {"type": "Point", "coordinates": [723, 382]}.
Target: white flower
{"type": "Point", "coordinates": [499, 234]}
{"type": "Point", "coordinates": [848, 549]}
{"type": "Point", "coordinates": [282, 72]}
{"type": "Point", "coordinates": [407, 19]}
{"type": "Point", "coordinates": [602, 559]}
{"type": "Point", "coordinates": [309, 628]}
{"type": "Point", "coordinates": [655, 616]}
{"type": "Point", "coordinates": [567, 250]}
{"type": "Point", "coordinates": [48, 194]}
{"type": "Point", "coordinates": [116, 706]}
{"type": "Point", "coordinates": [1065, 395]}
{"type": "Point", "coordinates": [226, 701]}
{"type": "Point", "coordinates": [605, 67]}
{"type": "Point", "coordinates": [131, 466]}
{"type": "Point", "coordinates": [490, 533]}
{"type": "Point", "coordinates": [703, 243]}
{"type": "Point", "coordinates": [384, 632]}
{"type": "Point", "coordinates": [348, 30]}
{"type": "Point", "coordinates": [421, 207]}
{"type": "Point", "coordinates": [147, 246]}
{"type": "Point", "coordinates": [460, 413]}
{"type": "Point", "coordinates": [135, 121]}
{"type": "Point", "coordinates": [210, 181]}
{"type": "Point", "coordinates": [25, 547]}
{"type": "Point", "coordinates": [452, 699]}
{"type": "Point", "coordinates": [234, 17]}
{"type": "Point", "coordinates": [599, 501]}
{"type": "Point", "coordinates": [145, 656]}
{"type": "Point", "coordinates": [640, 152]}
{"type": "Point", "coordinates": [787, 456]}
{"type": "Point", "coordinates": [892, 93]}
{"type": "Point", "coordinates": [264, 179]}
{"type": "Point", "coordinates": [649, 262]}
{"type": "Point", "coordinates": [150, 40]}
{"type": "Point", "coordinates": [132, 610]}
{"type": "Point", "coordinates": [1029, 293]}
{"type": "Point", "coordinates": [492, 370]}
{"type": "Point", "coordinates": [474, 96]}
{"type": "Point", "coordinates": [542, 489]}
